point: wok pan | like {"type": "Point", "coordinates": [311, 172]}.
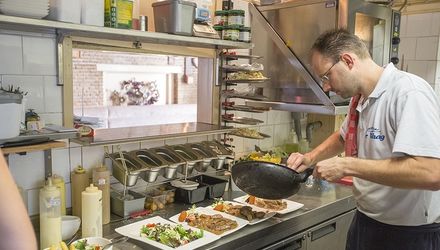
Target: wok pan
{"type": "Point", "coordinates": [268, 180]}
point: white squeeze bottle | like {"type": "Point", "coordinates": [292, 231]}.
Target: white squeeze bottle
{"type": "Point", "coordinates": [50, 215]}
{"type": "Point", "coordinates": [91, 210]}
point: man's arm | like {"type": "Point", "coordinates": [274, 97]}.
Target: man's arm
{"type": "Point", "coordinates": [16, 231]}
{"type": "Point", "coordinates": [402, 172]}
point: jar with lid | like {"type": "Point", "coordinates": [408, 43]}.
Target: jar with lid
{"type": "Point", "coordinates": [236, 17]}
{"type": "Point", "coordinates": [221, 18]}
{"type": "Point", "coordinates": [245, 34]}
{"type": "Point", "coordinates": [219, 30]}
{"type": "Point", "coordinates": [50, 215]}
{"type": "Point", "coordinates": [231, 32]}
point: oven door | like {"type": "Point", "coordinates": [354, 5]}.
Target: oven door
{"type": "Point", "coordinates": [378, 26]}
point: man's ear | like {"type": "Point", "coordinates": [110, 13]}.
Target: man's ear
{"type": "Point", "coordinates": [348, 59]}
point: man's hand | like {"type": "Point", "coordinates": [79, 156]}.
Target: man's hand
{"type": "Point", "coordinates": [298, 162]}
{"type": "Point", "coordinates": [332, 169]}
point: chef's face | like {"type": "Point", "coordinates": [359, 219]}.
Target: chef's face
{"type": "Point", "coordinates": [334, 75]}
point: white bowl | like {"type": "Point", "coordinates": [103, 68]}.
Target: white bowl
{"type": "Point", "coordinates": [69, 226]}
{"type": "Point", "coordinates": [93, 241]}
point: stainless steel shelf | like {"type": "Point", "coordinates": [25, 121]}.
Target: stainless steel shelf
{"type": "Point", "coordinates": [41, 134]}
{"type": "Point", "coordinates": [155, 132]}
{"type": "Point", "coordinates": [71, 29]}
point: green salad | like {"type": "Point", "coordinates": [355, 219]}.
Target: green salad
{"type": "Point", "coordinates": [170, 235]}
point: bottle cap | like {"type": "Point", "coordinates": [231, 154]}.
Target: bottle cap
{"type": "Point", "coordinates": [80, 170]}
{"type": "Point", "coordinates": [91, 189]}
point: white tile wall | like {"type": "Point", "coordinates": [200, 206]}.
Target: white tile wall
{"type": "Point", "coordinates": [426, 48]}
{"type": "Point", "coordinates": [39, 56]}
{"type": "Point", "coordinates": [420, 46]}
{"type": "Point", "coordinates": [12, 54]}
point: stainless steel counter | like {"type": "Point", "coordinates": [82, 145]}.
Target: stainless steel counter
{"type": "Point", "coordinates": [322, 201]}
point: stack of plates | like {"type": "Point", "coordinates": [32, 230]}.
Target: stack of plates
{"type": "Point", "coordinates": [25, 8]}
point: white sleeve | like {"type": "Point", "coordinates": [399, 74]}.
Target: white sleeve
{"type": "Point", "coordinates": [418, 124]}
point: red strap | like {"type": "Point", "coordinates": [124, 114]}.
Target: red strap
{"type": "Point", "coordinates": [351, 149]}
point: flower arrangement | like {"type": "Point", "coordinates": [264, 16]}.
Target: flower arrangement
{"type": "Point", "coordinates": [134, 92]}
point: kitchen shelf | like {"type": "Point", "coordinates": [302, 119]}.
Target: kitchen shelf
{"type": "Point", "coordinates": [29, 135]}
{"type": "Point", "coordinates": [235, 57]}
{"type": "Point", "coordinates": [154, 132]}
{"type": "Point", "coordinates": [81, 30]}
{"type": "Point", "coordinates": [35, 147]}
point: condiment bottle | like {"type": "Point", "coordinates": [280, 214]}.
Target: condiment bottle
{"type": "Point", "coordinates": [291, 145]}
{"type": "Point", "coordinates": [58, 181]}
{"type": "Point", "coordinates": [101, 179]}
{"type": "Point", "coordinates": [50, 215]}
{"type": "Point", "coordinates": [91, 212]}
{"type": "Point", "coordinates": [79, 182]}
{"type": "Point", "coordinates": [303, 146]}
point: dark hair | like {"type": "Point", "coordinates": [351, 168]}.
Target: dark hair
{"type": "Point", "coordinates": [333, 43]}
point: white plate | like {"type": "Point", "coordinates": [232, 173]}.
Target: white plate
{"type": "Point", "coordinates": [24, 13]}
{"type": "Point", "coordinates": [291, 205]}
{"type": "Point", "coordinates": [268, 215]}
{"type": "Point", "coordinates": [201, 210]}
{"type": "Point", "coordinates": [133, 231]}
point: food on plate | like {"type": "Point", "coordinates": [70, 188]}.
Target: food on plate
{"type": "Point", "coordinates": [216, 223]}
{"type": "Point", "coordinates": [242, 75]}
{"type": "Point", "coordinates": [84, 245]}
{"type": "Point", "coordinates": [245, 212]}
{"type": "Point", "coordinates": [275, 205]}
{"type": "Point", "coordinates": [248, 132]}
{"type": "Point", "coordinates": [170, 235]}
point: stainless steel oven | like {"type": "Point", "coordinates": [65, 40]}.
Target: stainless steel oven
{"type": "Point", "coordinates": [283, 34]}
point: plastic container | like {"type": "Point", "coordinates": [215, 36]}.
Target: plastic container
{"type": "Point", "coordinates": [191, 196]}
{"type": "Point", "coordinates": [92, 12]}
{"type": "Point", "coordinates": [10, 107]}
{"type": "Point", "coordinates": [155, 200]}
{"type": "Point", "coordinates": [221, 18]}
{"type": "Point", "coordinates": [169, 192]}
{"type": "Point", "coordinates": [291, 145]}
{"type": "Point", "coordinates": [101, 179]}
{"type": "Point", "coordinates": [91, 207]}
{"type": "Point", "coordinates": [231, 32]}
{"type": "Point", "coordinates": [219, 30]}
{"type": "Point", "coordinates": [79, 183]}
{"type": "Point", "coordinates": [245, 35]}
{"type": "Point", "coordinates": [236, 17]}
{"type": "Point", "coordinates": [50, 215]}
{"type": "Point", "coordinates": [174, 16]}
{"type": "Point", "coordinates": [303, 146]}
{"type": "Point", "coordinates": [58, 181]}
{"type": "Point", "coordinates": [65, 11]}
{"type": "Point", "coordinates": [118, 14]}
{"type": "Point", "coordinates": [216, 186]}
{"type": "Point", "coordinates": [124, 206]}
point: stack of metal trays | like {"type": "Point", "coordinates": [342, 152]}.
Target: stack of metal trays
{"type": "Point", "coordinates": [127, 176]}
{"type": "Point", "coordinates": [154, 162]}
{"type": "Point", "coordinates": [191, 157]}
{"type": "Point", "coordinates": [173, 160]}
{"type": "Point", "coordinates": [210, 158]}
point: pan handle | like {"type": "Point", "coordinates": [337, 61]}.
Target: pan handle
{"type": "Point", "coordinates": [302, 177]}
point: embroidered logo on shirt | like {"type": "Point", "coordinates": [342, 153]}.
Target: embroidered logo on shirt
{"type": "Point", "coordinates": [374, 134]}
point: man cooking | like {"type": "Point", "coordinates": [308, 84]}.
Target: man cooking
{"type": "Point", "coordinates": [391, 139]}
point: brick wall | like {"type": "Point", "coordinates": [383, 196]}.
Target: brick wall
{"type": "Point", "coordinates": [87, 81]}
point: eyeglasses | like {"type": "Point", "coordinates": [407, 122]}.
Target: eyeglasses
{"type": "Point", "coordinates": [324, 77]}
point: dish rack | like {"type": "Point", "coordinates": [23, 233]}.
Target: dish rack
{"type": "Point", "coordinates": [236, 89]}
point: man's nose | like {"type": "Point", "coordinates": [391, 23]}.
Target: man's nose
{"type": "Point", "coordinates": [326, 87]}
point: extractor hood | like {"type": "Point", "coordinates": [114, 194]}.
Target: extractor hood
{"type": "Point", "coordinates": [283, 35]}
